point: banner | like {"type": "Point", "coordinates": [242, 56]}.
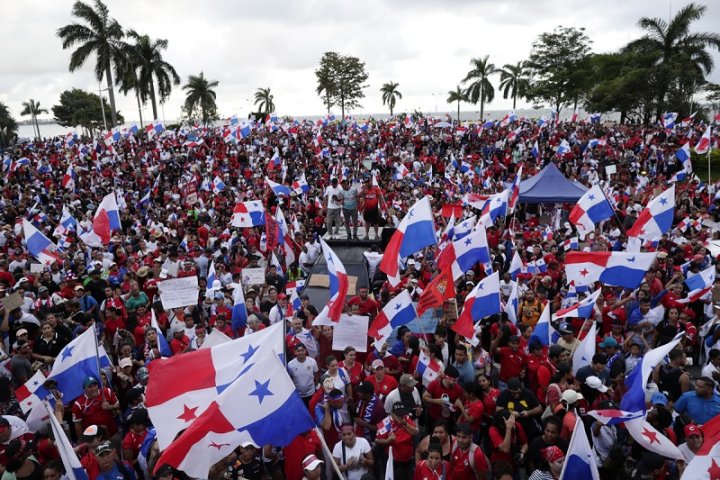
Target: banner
{"type": "Point", "coordinates": [253, 276]}
{"type": "Point", "coordinates": [179, 292]}
{"type": "Point", "coordinates": [351, 331]}
{"type": "Point", "coordinates": [190, 192]}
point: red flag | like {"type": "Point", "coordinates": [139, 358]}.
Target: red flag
{"type": "Point", "coordinates": [441, 289]}
{"type": "Point", "coordinates": [448, 210]}
{"type": "Point", "coordinates": [711, 435]}
{"type": "Point", "coordinates": [271, 233]}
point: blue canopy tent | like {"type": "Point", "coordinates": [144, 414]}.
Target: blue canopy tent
{"type": "Point", "coordinates": [550, 186]}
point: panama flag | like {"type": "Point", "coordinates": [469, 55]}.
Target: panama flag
{"type": "Point", "coordinates": [585, 351]}
{"type": "Point", "coordinates": [703, 146]}
{"type": "Point", "coordinates": [514, 195]}
{"type": "Point", "coordinates": [277, 188]}
{"type": "Point", "coordinates": [274, 160]}
{"type": "Point", "coordinates": [300, 185]}
{"type": "Point", "coordinates": [463, 229]}
{"type": "Point", "coordinates": [338, 288]}
{"type": "Point", "coordinates": [38, 244]}
{"type": "Point", "coordinates": [511, 307]}
{"type": "Point", "coordinates": [68, 180]}
{"type": "Point", "coordinates": [217, 185]}
{"type": "Point", "coordinates": [582, 309]}
{"type": "Point", "coordinates": [686, 122]}
{"type": "Point", "coordinates": [77, 361]}
{"type": "Point", "coordinates": [633, 399]}
{"type": "Point", "coordinates": [535, 152]}
{"type": "Point", "coordinates": [482, 301]}
{"type": "Point", "coordinates": [415, 232]}
{"type": "Point", "coordinates": [32, 393]}
{"type": "Point", "coordinates": [656, 218]}
{"type": "Point", "coordinates": [701, 280]}
{"type": "Point", "coordinates": [248, 214]}
{"type": "Point", "coordinates": [401, 171]}
{"type": "Point", "coordinates": [461, 255]}
{"type": "Point", "coordinates": [613, 416]}
{"type": "Point", "coordinates": [397, 312]}
{"type": "Point", "coordinates": [684, 156]}
{"type": "Point", "coordinates": [155, 128]}
{"type": "Point", "coordinates": [706, 464]}
{"type": "Point", "coordinates": [239, 310]}
{"type": "Point", "coordinates": [574, 117]}
{"type": "Point", "coordinates": [73, 468]}
{"type": "Point", "coordinates": [595, 117]}
{"type": "Point", "coordinates": [106, 221]}
{"type": "Point", "coordinates": [619, 269]}
{"type": "Point", "coordinates": [516, 266]}
{"type": "Point", "coordinates": [668, 119]}
{"type": "Point", "coordinates": [508, 118]}
{"type": "Point", "coordinates": [183, 386]}
{"type": "Point", "coordinates": [570, 244]}
{"type": "Point", "coordinates": [273, 414]}
{"type": "Point", "coordinates": [592, 208]}
{"type": "Point", "coordinates": [563, 148]}
{"type": "Point", "coordinates": [649, 438]}
{"type": "Point", "coordinates": [428, 369]}
{"type": "Point", "coordinates": [580, 461]}
{"type": "Point", "coordinates": [544, 332]}
{"type": "Point", "coordinates": [162, 342]}
{"type": "Point", "coordinates": [497, 205]}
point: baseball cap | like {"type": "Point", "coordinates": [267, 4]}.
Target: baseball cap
{"type": "Point", "coordinates": [311, 462]}
{"type": "Point", "coordinates": [609, 342]}
{"type": "Point", "coordinates": [103, 447]}
{"type": "Point", "coordinates": [282, 296]}
{"type": "Point", "coordinates": [90, 431]}
{"type": "Point", "coordinates": [571, 396]}
{"type": "Point", "coordinates": [594, 382]}
{"type": "Point", "coordinates": [248, 443]}
{"type": "Point", "coordinates": [399, 408]}
{"type": "Point", "coordinates": [691, 430]}
{"type": "Point", "coordinates": [377, 364]}
{"type": "Point", "coordinates": [20, 332]}
{"type": "Point", "coordinates": [406, 380]}
{"type": "Point", "coordinates": [659, 398]}
{"type": "Point", "coordinates": [565, 329]}
{"type": "Point", "coordinates": [89, 381]}
{"type": "Point", "coordinates": [514, 384]}
{"type": "Point", "coordinates": [125, 362]}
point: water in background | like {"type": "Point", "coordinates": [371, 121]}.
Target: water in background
{"type": "Point", "coordinates": [53, 129]}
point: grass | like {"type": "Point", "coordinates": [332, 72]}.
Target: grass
{"type": "Point", "coordinates": [700, 166]}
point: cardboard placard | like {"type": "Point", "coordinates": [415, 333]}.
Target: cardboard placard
{"type": "Point", "coordinates": [179, 292]}
{"type": "Point", "coordinates": [12, 301]}
{"type": "Point", "coordinates": [610, 169]}
{"type": "Point", "coordinates": [427, 323]}
{"type": "Point", "coordinates": [253, 276]}
{"type": "Point", "coordinates": [351, 331]}
{"type": "Point", "coordinates": [37, 267]}
{"type": "Point", "coordinates": [322, 280]}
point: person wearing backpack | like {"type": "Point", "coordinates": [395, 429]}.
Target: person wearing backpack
{"type": "Point", "coordinates": [468, 462]}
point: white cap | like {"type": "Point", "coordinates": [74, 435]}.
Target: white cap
{"type": "Point", "coordinates": [125, 362]}
{"type": "Point", "coordinates": [594, 382]}
{"type": "Point", "coordinates": [571, 396]}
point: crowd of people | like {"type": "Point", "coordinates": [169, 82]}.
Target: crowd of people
{"type": "Point", "coordinates": [504, 408]}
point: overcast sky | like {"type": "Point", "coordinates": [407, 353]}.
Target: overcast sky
{"type": "Point", "coordinates": [423, 45]}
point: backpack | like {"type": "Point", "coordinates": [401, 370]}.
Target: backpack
{"type": "Point", "coordinates": [471, 456]}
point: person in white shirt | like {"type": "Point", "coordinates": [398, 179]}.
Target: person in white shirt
{"type": "Point", "coordinates": [304, 372]}
{"type": "Point", "coordinates": [712, 369]}
{"type": "Point", "coordinates": [277, 313]}
{"type": "Point", "coordinates": [406, 388]}
{"type": "Point", "coordinates": [352, 454]}
{"type": "Point", "coordinates": [333, 205]}
{"type": "Point", "coordinates": [506, 285]}
{"type": "Point", "coordinates": [373, 257]}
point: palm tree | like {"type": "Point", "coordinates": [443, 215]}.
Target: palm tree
{"type": "Point", "coordinates": [264, 100]}
{"type": "Point", "coordinates": [480, 88]}
{"type": "Point", "coordinates": [128, 80]}
{"type": "Point", "coordinates": [514, 81]}
{"type": "Point", "coordinates": [458, 95]}
{"type": "Point", "coordinates": [32, 108]}
{"type": "Point", "coordinates": [101, 36]}
{"type": "Point", "coordinates": [680, 51]}
{"type": "Point", "coordinates": [200, 94]}
{"type": "Point", "coordinates": [390, 94]}
{"type": "Point", "coordinates": [152, 68]}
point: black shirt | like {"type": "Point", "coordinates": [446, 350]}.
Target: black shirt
{"type": "Point", "coordinates": [252, 470]}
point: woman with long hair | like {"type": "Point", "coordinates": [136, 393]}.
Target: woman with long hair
{"type": "Point", "coordinates": [441, 436]}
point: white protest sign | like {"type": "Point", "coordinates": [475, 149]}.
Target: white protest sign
{"type": "Point", "coordinates": [179, 292]}
{"type": "Point", "coordinates": [610, 169]}
{"type": "Point", "coordinates": [37, 268]}
{"type": "Point", "coordinates": [350, 331]}
{"type": "Point", "coordinates": [253, 276]}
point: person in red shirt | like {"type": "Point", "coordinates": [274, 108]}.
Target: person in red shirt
{"type": "Point", "coordinates": [371, 200]}
{"type": "Point", "coordinates": [442, 393]}
{"type": "Point", "coordinates": [471, 406]}
{"type": "Point", "coordinates": [433, 466]}
{"type": "Point", "coordinates": [303, 445]}
{"type": "Point", "coordinates": [399, 433]}
{"type": "Point", "coordinates": [352, 366]}
{"type": "Point", "coordinates": [92, 408]}
{"type": "Point", "coordinates": [381, 381]}
{"type": "Point", "coordinates": [507, 437]}
{"type": "Point", "coordinates": [133, 440]}
{"type": "Point", "coordinates": [180, 342]}
{"type": "Point", "coordinates": [513, 361]}
{"type": "Point", "coordinates": [366, 305]}
{"type": "Point", "coordinates": [468, 460]}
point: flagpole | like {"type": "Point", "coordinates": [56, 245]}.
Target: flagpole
{"type": "Point", "coordinates": [97, 362]}
{"type": "Point", "coordinates": [617, 217]}
{"type": "Point", "coordinates": [327, 453]}
{"type": "Point", "coordinates": [708, 161]}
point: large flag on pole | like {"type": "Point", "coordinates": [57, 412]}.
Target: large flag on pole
{"type": "Point", "coordinates": [73, 468]}
{"type": "Point", "coordinates": [272, 413]}
{"type": "Point", "coordinates": [580, 460]}
{"type": "Point", "coordinates": [339, 284]}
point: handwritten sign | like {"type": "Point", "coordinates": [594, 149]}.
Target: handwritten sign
{"type": "Point", "coordinates": [178, 292]}
{"type": "Point", "coordinates": [12, 301]}
{"type": "Point", "coordinates": [37, 268]}
{"type": "Point", "coordinates": [351, 331]}
{"type": "Point", "coordinates": [610, 169]}
{"type": "Point", "coordinates": [427, 323]}
{"type": "Point", "coordinates": [253, 276]}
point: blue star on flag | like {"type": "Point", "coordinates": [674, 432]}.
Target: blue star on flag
{"type": "Point", "coordinates": [261, 390]}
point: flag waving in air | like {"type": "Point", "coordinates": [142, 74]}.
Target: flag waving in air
{"type": "Point", "coordinates": [106, 221]}
{"type": "Point", "coordinates": [703, 146]}
{"type": "Point", "coordinates": [580, 460]}
{"type": "Point", "coordinates": [656, 218]}
{"type": "Point", "coordinates": [440, 289]}
{"type": "Point", "coordinates": [461, 255]}
{"type": "Point", "coordinates": [415, 232]}
{"type": "Point", "coordinates": [592, 208]}
{"type": "Point", "coordinates": [338, 288]}
{"type": "Point", "coordinates": [248, 214]}
{"type": "Point", "coordinates": [38, 244]}
{"type": "Point", "coordinates": [272, 413]}
{"type": "Point", "coordinates": [619, 269]}
{"type": "Point", "coordinates": [278, 188]}
{"type": "Point", "coordinates": [482, 301]}
{"type": "Point", "coordinates": [397, 312]}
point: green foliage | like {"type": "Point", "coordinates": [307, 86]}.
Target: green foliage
{"type": "Point", "coordinates": [200, 99]}
{"type": "Point", "coordinates": [458, 95]}
{"type": "Point", "coordinates": [32, 108]}
{"type": "Point", "coordinates": [341, 81]}
{"type": "Point", "coordinates": [559, 68]}
{"type": "Point", "coordinates": [101, 37]}
{"type": "Point", "coordinates": [514, 81]}
{"type": "Point", "coordinates": [8, 128]}
{"type": "Point", "coordinates": [264, 101]}
{"type": "Point", "coordinates": [390, 94]}
{"type": "Point", "coordinates": [78, 107]}
{"type": "Point", "coordinates": [480, 89]}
